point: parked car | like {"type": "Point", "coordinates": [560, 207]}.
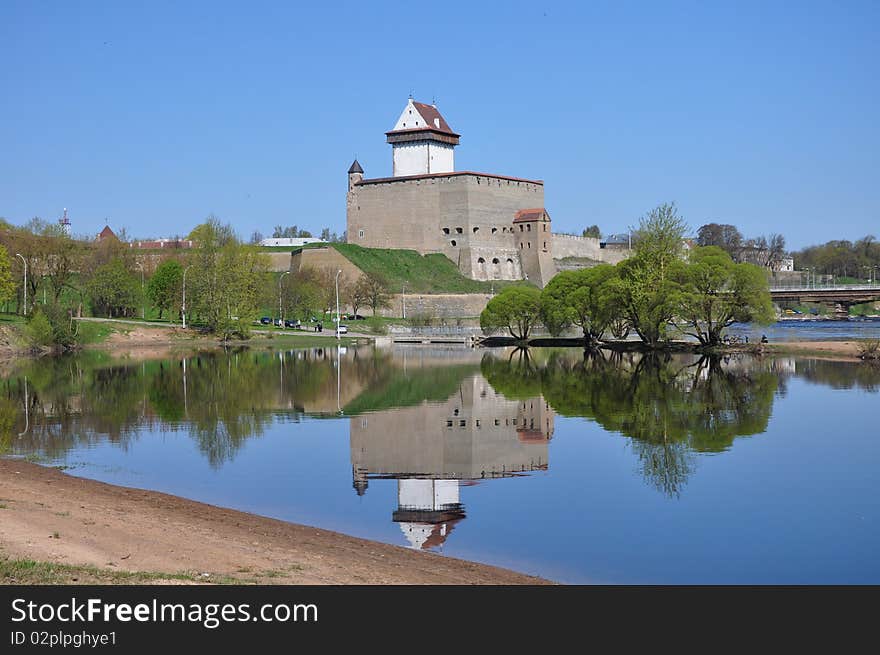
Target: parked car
{"type": "Point", "coordinates": [342, 329]}
{"type": "Point", "coordinates": [356, 317]}
{"type": "Point", "coordinates": [266, 320]}
{"type": "Point", "coordinates": [277, 322]}
{"type": "Point", "coordinates": [292, 324]}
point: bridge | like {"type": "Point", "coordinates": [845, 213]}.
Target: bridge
{"type": "Point", "coordinates": [842, 296]}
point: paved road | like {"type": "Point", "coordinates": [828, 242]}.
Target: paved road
{"type": "Point", "coordinates": [328, 334]}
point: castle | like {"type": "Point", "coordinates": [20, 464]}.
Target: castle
{"type": "Point", "coordinates": [494, 227]}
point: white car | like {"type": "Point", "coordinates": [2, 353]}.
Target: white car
{"type": "Point", "coordinates": [342, 329]}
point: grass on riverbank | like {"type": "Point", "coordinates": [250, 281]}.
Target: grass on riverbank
{"type": "Point", "coordinates": [30, 572]}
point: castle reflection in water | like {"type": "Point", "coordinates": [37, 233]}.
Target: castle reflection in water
{"type": "Point", "coordinates": [434, 448]}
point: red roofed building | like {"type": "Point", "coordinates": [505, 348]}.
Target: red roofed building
{"type": "Point", "coordinates": [106, 233]}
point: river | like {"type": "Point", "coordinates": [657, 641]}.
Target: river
{"type": "Point", "coordinates": [584, 469]}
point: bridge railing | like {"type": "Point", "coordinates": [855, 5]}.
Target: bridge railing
{"type": "Point", "coordinates": [826, 287]}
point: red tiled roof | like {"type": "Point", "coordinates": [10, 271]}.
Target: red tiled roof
{"type": "Point", "coordinates": [106, 233]}
{"type": "Point", "coordinates": [528, 215]}
{"type": "Point", "coordinates": [438, 534]}
{"type": "Point", "coordinates": [431, 118]}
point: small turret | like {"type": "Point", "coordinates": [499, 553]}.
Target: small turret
{"type": "Point", "coordinates": [355, 174]}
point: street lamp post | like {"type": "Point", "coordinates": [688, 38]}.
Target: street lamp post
{"type": "Point", "coordinates": [24, 261]}
{"type": "Point", "coordinates": [143, 295]}
{"type": "Point", "coordinates": [337, 304]}
{"type": "Point", "coordinates": [183, 307]}
{"type": "Point", "coordinates": [280, 310]}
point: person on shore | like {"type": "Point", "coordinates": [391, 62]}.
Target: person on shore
{"type": "Point", "coordinates": [764, 338]}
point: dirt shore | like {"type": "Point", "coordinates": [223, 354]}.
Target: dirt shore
{"type": "Point", "coordinates": [49, 516]}
{"type": "Point", "coordinates": [839, 349]}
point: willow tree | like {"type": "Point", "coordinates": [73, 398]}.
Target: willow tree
{"type": "Point", "coordinates": [582, 298]}
{"type": "Point", "coordinates": [715, 292]}
{"type": "Point", "coordinates": [516, 309]}
{"type": "Point", "coordinates": [646, 290]}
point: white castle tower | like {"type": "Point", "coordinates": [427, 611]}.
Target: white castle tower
{"type": "Point", "coordinates": [422, 141]}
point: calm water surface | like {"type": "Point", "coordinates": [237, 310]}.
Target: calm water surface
{"type": "Point", "coordinates": [582, 469]}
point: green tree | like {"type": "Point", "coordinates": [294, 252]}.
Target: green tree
{"type": "Point", "coordinates": [716, 292]}
{"type": "Point", "coordinates": [228, 280]}
{"type": "Point", "coordinates": [646, 289]}
{"type": "Point", "coordinates": [583, 298]}
{"type": "Point", "coordinates": [165, 286]}
{"type": "Point", "coordinates": [114, 291]}
{"type": "Point", "coordinates": [301, 296]}
{"type": "Point", "coordinates": [516, 309]}
{"type": "Point", "coordinates": [8, 287]}
{"type": "Point", "coordinates": [646, 301]}
{"type": "Point", "coordinates": [592, 231]}
{"type": "Point", "coordinates": [659, 239]}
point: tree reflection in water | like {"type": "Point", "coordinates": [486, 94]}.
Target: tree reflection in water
{"type": "Point", "coordinates": [669, 406]}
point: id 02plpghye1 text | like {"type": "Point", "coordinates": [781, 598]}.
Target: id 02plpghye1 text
{"type": "Point", "coordinates": [62, 639]}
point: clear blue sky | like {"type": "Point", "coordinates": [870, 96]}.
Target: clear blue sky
{"type": "Point", "coordinates": [764, 115]}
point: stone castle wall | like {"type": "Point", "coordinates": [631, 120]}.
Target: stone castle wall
{"type": "Point", "coordinates": [566, 245]}
{"type": "Point", "coordinates": [279, 261]}
{"type": "Point", "coordinates": [476, 433]}
{"type": "Point", "coordinates": [321, 258]}
{"type": "Point", "coordinates": [435, 305]}
{"type": "Point", "coordinates": [465, 216]}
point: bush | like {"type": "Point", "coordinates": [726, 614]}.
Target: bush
{"type": "Point", "coordinates": [38, 331]}
{"type": "Point", "coordinates": [50, 327]}
{"type": "Point", "coordinates": [375, 325]}
{"type": "Point", "coordinates": [870, 349]}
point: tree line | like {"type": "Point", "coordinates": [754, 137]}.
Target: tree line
{"type": "Point", "coordinates": [856, 259]}
{"type": "Point", "coordinates": [227, 282]}
{"type": "Point", "coordinates": [700, 292]}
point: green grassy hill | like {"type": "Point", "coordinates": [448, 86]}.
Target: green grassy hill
{"type": "Point", "coordinates": [433, 273]}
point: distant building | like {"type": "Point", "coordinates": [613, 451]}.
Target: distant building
{"type": "Point", "coordinates": [156, 244]}
{"type": "Point", "coordinates": [786, 264]}
{"type": "Point", "coordinates": [105, 234]}
{"type": "Point", "coordinates": [293, 243]}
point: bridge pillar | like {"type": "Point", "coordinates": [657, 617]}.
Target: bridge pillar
{"type": "Point", "coordinates": [841, 311]}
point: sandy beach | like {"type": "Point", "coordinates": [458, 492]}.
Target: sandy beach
{"type": "Point", "coordinates": [49, 516]}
